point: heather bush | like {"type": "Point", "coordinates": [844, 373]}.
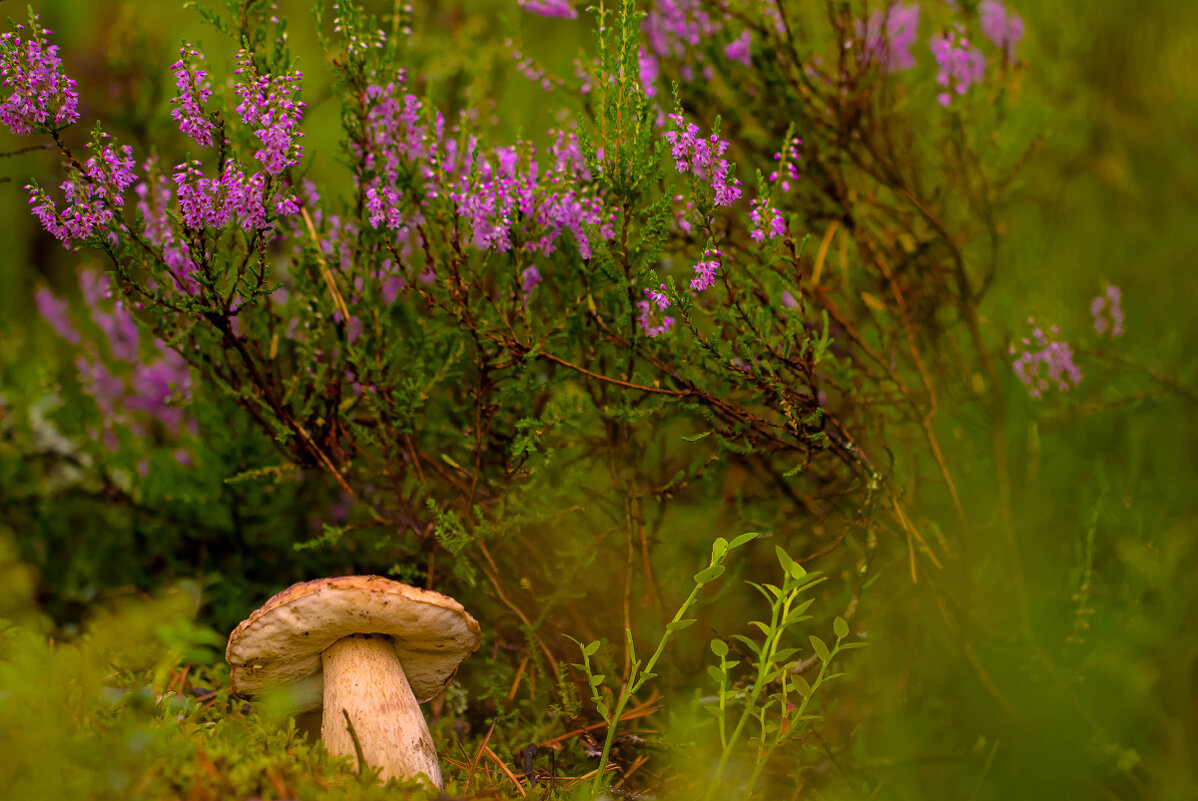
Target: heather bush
{"type": "Point", "coordinates": [404, 289]}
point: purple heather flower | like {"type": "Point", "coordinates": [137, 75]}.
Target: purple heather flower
{"type": "Point", "coordinates": [550, 8]}
{"type": "Point", "coordinates": [767, 220]}
{"type": "Point", "coordinates": [1045, 362]}
{"type": "Point", "coordinates": [788, 169]}
{"type": "Point", "coordinates": [1107, 310]}
{"type": "Point", "coordinates": [887, 36]}
{"type": "Point", "coordinates": [93, 195]}
{"type": "Point", "coordinates": [38, 93]}
{"type": "Point", "coordinates": [154, 201]}
{"type": "Point", "coordinates": [193, 91]}
{"type": "Point", "coordinates": [705, 271]}
{"type": "Point", "coordinates": [960, 64]}
{"type": "Point", "coordinates": [529, 279]}
{"type": "Point", "coordinates": [1000, 26]}
{"type": "Point", "coordinates": [659, 297]}
{"type": "Point", "coordinates": [268, 104]}
{"type": "Point", "coordinates": [213, 202]}
{"type": "Point", "coordinates": [567, 155]}
{"type": "Point", "coordinates": [645, 318]}
{"type": "Point", "coordinates": [703, 158]}
{"type": "Point", "coordinates": [738, 49]}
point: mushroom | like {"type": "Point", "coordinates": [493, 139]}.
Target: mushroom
{"type": "Point", "coordinates": [365, 648]}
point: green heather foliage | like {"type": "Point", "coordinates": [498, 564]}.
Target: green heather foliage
{"type": "Point", "coordinates": [798, 394]}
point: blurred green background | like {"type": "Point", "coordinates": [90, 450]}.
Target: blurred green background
{"type": "Point", "coordinates": [1096, 698]}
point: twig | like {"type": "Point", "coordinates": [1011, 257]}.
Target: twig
{"type": "Point", "coordinates": [477, 756]}
{"type": "Point", "coordinates": [353, 735]}
{"type": "Point", "coordinates": [503, 766]}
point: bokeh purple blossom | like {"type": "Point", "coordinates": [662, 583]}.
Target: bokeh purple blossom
{"type": "Point", "coordinates": [959, 64]}
{"type": "Point", "coordinates": [550, 8]}
{"type": "Point", "coordinates": [132, 385]}
{"type": "Point", "coordinates": [1107, 310]}
{"type": "Point", "coordinates": [1003, 27]}
{"type": "Point", "coordinates": [1045, 362]}
{"type": "Point", "coordinates": [887, 36]}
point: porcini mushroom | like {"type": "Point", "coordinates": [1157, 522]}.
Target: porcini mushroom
{"type": "Point", "coordinates": [367, 649]}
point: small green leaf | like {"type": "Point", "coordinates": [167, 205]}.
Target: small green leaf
{"type": "Point", "coordinates": [679, 625]}
{"type": "Point", "coordinates": [765, 629]}
{"type": "Point", "coordinates": [597, 679]}
{"type": "Point", "coordinates": [718, 549]}
{"type": "Point", "coordinates": [716, 674]}
{"type": "Point", "coordinates": [784, 654]}
{"type": "Point", "coordinates": [696, 437]}
{"type": "Point", "coordinates": [821, 649]}
{"type": "Point", "coordinates": [761, 590]}
{"type": "Point", "coordinates": [801, 685]}
{"type": "Point", "coordinates": [719, 648]}
{"type": "Point", "coordinates": [631, 645]}
{"type": "Point", "coordinates": [710, 574]}
{"type": "Point", "coordinates": [796, 615]}
{"type": "Point", "coordinates": [590, 649]}
{"type": "Point", "coordinates": [742, 539]}
{"type": "Point", "coordinates": [841, 628]}
{"type": "Point", "coordinates": [604, 713]}
{"type": "Point", "coordinates": [748, 643]}
{"type": "Point", "coordinates": [784, 559]}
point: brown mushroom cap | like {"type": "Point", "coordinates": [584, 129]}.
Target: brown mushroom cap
{"type": "Point", "coordinates": [279, 645]}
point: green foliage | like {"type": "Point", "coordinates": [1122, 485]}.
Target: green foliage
{"type": "Point", "coordinates": [781, 713]}
{"type": "Point", "coordinates": [1020, 568]}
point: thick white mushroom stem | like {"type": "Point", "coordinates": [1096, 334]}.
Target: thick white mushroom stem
{"type": "Point", "coordinates": [367, 699]}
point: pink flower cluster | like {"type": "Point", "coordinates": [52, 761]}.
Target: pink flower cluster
{"type": "Point", "coordinates": [268, 104]}
{"type": "Point", "coordinates": [704, 159]}
{"type": "Point", "coordinates": [788, 164]}
{"type": "Point", "coordinates": [959, 64]}
{"type": "Point", "coordinates": [213, 202]}
{"type": "Point", "coordinates": [93, 196]}
{"type": "Point", "coordinates": [1045, 362]}
{"type": "Point", "coordinates": [705, 270]}
{"type": "Point", "coordinates": [192, 91]}
{"type": "Point", "coordinates": [504, 194]}
{"type": "Point", "coordinates": [1107, 310]}
{"type": "Point", "coordinates": [154, 204]}
{"type": "Point", "coordinates": [887, 36]}
{"type": "Point", "coordinates": [767, 220]}
{"type": "Point", "coordinates": [648, 310]}
{"type": "Point", "coordinates": [38, 93]}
